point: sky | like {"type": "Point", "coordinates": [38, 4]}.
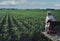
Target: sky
{"type": "Point", "coordinates": [30, 4]}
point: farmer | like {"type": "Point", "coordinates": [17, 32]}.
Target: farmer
{"type": "Point", "coordinates": [48, 17]}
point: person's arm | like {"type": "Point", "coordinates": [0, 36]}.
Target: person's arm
{"type": "Point", "coordinates": [46, 20]}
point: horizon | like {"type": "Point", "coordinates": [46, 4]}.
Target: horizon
{"type": "Point", "coordinates": [30, 4]}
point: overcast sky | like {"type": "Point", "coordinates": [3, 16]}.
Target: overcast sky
{"type": "Point", "coordinates": [30, 4]}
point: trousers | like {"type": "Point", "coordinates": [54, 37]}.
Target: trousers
{"type": "Point", "coordinates": [46, 28]}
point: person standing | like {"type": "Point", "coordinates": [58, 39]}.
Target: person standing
{"type": "Point", "coordinates": [48, 17]}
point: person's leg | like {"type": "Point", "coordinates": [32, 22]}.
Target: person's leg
{"type": "Point", "coordinates": [46, 28]}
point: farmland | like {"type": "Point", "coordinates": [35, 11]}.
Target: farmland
{"type": "Point", "coordinates": [24, 25]}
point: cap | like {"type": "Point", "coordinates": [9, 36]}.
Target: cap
{"type": "Point", "coordinates": [49, 12]}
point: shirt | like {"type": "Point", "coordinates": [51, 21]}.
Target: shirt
{"type": "Point", "coordinates": [49, 18]}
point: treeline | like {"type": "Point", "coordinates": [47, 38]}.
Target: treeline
{"type": "Point", "coordinates": [26, 9]}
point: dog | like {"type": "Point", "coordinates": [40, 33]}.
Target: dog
{"type": "Point", "coordinates": [54, 27]}
{"type": "Point", "coordinates": [53, 24]}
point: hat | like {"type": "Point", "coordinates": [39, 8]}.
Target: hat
{"type": "Point", "coordinates": [49, 12]}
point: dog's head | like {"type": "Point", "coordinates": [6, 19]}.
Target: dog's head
{"type": "Point", "coordinates": [49, 21]}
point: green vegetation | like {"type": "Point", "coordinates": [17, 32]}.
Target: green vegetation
{"type": "Point", "coordinates": [24, 25]}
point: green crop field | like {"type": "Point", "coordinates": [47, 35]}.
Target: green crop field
{"type": "Point", "coordinates": [24, 25]}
